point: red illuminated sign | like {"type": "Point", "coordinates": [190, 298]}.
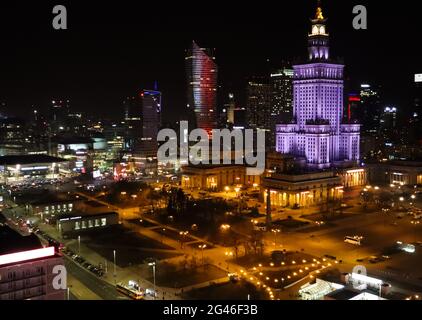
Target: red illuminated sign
{"type": "Point", "coordinates": [354, 99]}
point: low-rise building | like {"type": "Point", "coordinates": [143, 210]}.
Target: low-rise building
{"type": "Point", "coordinates": [217, 177]}
{"type": "Point", "coordinates": [18, 168]}
{"type": "Point", "coordinates": [74, 224]}
{"type": "Point", "coordinates": [302, 188]}
{"type": "Point", "coordinates": [79, 151]}
{"type": "Point", "coordinates": [47, 205]}
{"type": "Point", "coordinates": [396, 172]}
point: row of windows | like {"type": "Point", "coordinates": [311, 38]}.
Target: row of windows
{"type": "Point", "coordinates": [25, 273]}
{"type": "Point", "coordinates": [90, 224]}
{"type": "Point", "coordinates": [64, 207]}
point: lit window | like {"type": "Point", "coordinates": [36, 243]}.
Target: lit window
{"type": "Point", "coordinates": [103, 222]}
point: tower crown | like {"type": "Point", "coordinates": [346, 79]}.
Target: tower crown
{"type": "Point", "coordinates": [318, 43]}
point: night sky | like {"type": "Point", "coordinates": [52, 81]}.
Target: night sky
{"type": "Point", "coordinates": [114, 48]}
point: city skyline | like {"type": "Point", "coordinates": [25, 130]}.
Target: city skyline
{"type": "Point", "coordinates": [196, 152]}
{"type": "Point", "coordinates": [72, 66]}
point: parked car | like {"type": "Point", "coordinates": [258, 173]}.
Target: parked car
{"type": "Point", "coordinates": [260, 227]}
{"type": "Point", "coordinates": [330, 257]}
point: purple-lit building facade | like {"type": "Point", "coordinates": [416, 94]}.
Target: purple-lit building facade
{"type": "Point", "coordinates": [317, 131]}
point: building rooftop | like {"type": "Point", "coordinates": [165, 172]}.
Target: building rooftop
{"type": "Point", "coordinates": [301, 176]}
{"type": "Point", "coordinates": [74, 216]}
{"type": "Point", "coordinates": [29, 159]}
{"type": "Point", "coordinates": [73, 140]}
{"type": "Point", "coordinates": [44, 197]}
{"type": "Point", "coordinates": [213, 166]}
{"type": "Point", "coordinates": [11, 241]}
{"type": "Point", "coordinates": [344, 294]}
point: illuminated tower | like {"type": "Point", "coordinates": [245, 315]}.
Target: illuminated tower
{"type": "Point", "coordinates": [317, 132]}
{"type": "Point", "coordinates": [143, 117]}
{"type": "Point", "coordinates": [201, 73]}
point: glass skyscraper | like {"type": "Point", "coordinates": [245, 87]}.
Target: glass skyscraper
{"type": "Point", "coordinates": [201, 74]}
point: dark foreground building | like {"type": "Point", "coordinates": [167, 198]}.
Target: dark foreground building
{"type": "Point", "coordinates": [26, 268]}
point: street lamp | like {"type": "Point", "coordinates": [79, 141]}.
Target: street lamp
{"type": "Point", "coordinates": [183, 235]}
{"type": "Point", "coordinates": [275, 231]}
{"type": "Point", "coordinates": [114, 260]}
{"type": "Point", "coordinates": [152, 264]}
{"type": "Point", "coordinates": [79, 245]}
{"type": "Point", "coordinates": [229, 255]}
{"type": "Point", "coordinates": [202, 247]}
{"type": "Point", "coordinates": [225, 227]}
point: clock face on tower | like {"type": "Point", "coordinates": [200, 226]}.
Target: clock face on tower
{"type": "Point", "coordinates": [322, 30]}
{"type": "Point", "coordinates": [315, 30]}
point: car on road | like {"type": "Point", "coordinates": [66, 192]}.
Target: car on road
{"type": "Point", "coordinates": [234, 277]}
{"type": "Point", "coordinates": [90, 267]}
{"type": "Point", "coordinates": [80, 260]}
{"type": "Point", "coordinates": [355, 240]}
{"type": "Point", "coordinates": [260, 227]}
{"type": "Point", "coordinates": [375, 259]}
{"type": "Point", "coordinates": [330, 257]}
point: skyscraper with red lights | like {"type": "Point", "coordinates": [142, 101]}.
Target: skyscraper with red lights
{"type": "Point", "coordinates": [201, 75]}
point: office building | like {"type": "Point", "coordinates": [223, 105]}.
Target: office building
{"type": "Point", "coordinates": [13, 136]}
{"type": "Point", "coordinates": [281, 82]}
{"type": "Point", "coordinates": [26, 268]}
{"type": "Point", "coordinates": [146, 148]}
{"type": "Point", "coordinates": [59, 112]}
{"type": "Point", "coordinates": [258, 104]}
{"type": "Point", "coordinates": [371, 108]}
{"type": "Point", "coordinates": [201, 74]}
{"type": "Point", "coordinates": [415, 122]}
{"type": "Point", "coordinates": [137, 134]}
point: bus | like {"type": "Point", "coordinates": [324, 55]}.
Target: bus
{"type": "Point", "coordinates": [353, 240]}
{"type": "Point", "coordinates": [130, 291]}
